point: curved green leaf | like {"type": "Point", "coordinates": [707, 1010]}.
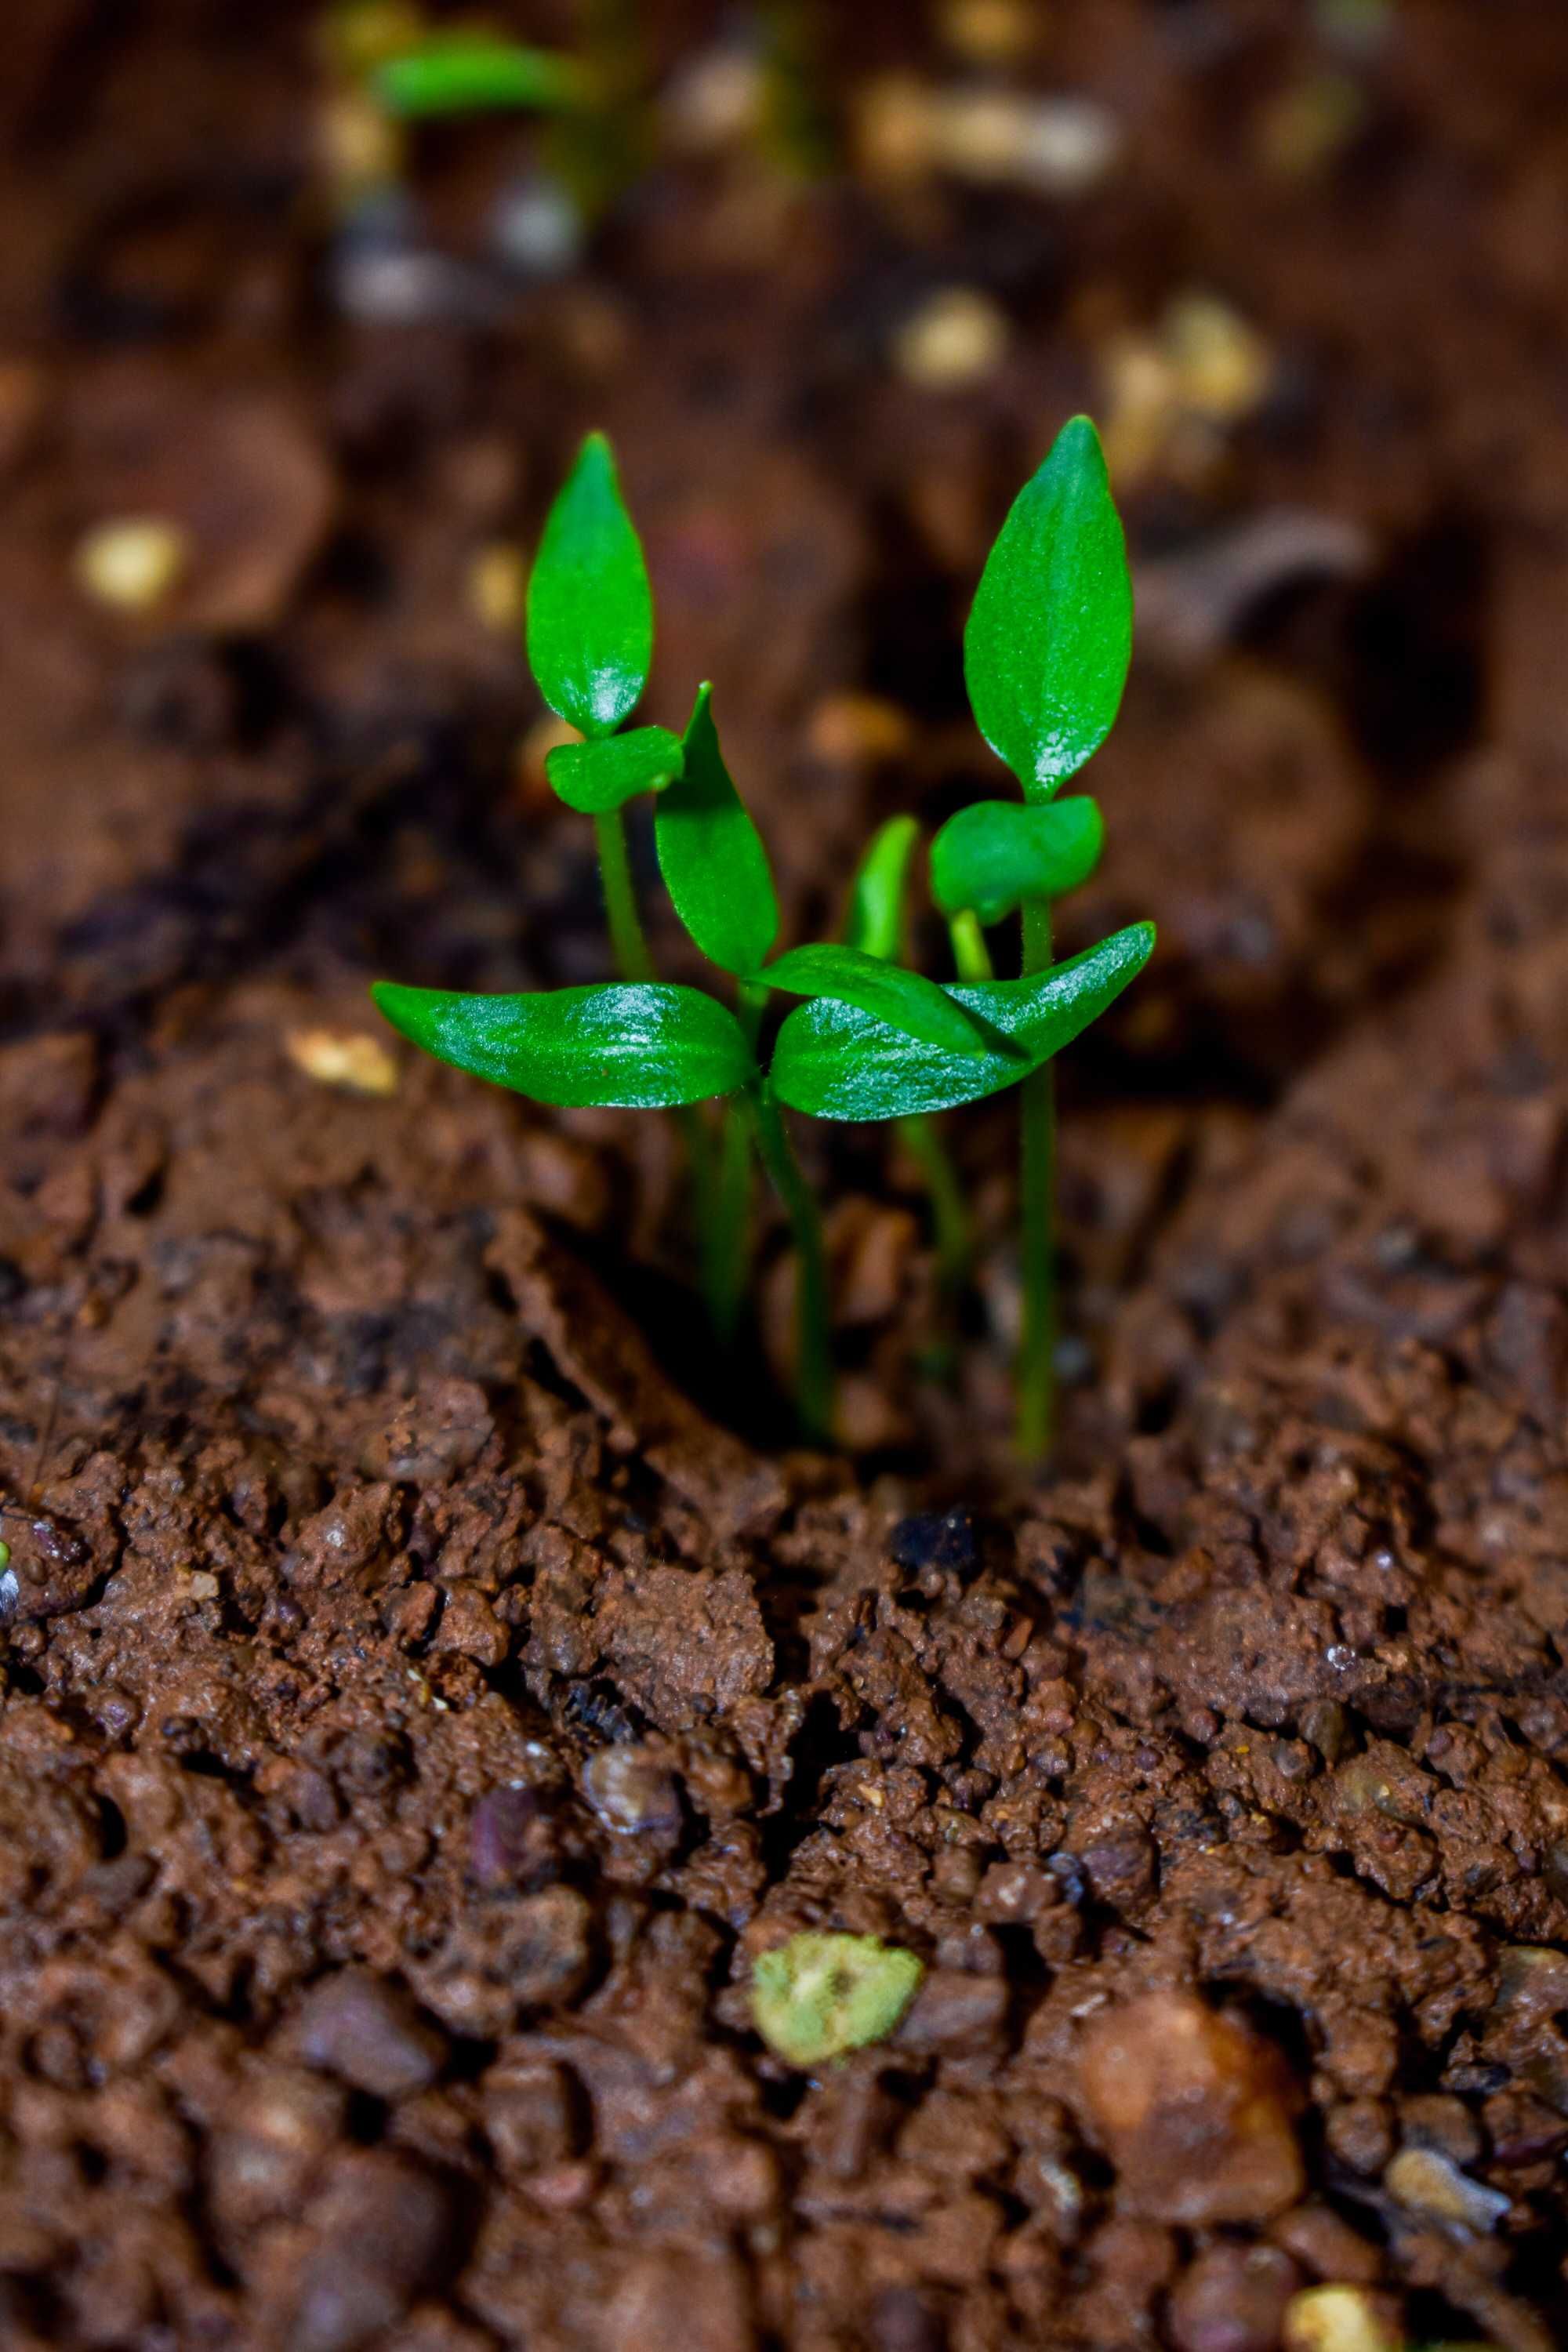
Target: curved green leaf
{"type": "Point", "coordinates": [458, 73]}
{"type": "Point", "coordinates": [1050, 634]}
{"type": "Point", "coordinates": [836, 1062]}
{"type": "Point", "coordinates": [875, 920]}
{"type": "Point", "coordinates": [646, 1046]}
{"type": "Point", "coordinates": [590, 608]}
{"type": "Point", "coordinates": [902, 1001]}
{"type": "Point", "coordinates": [995, 854]}
{"type": "Point", "coordinates": [594, 778]}
{"type": "Point", "coordinates": [711, 855]}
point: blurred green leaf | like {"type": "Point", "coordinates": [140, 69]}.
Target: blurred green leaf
{"type": "Point", "coordinates": [823, 1993]}
{"type": "Point", "coordinates": [995, 854]}
{"type": "Point", "coordinates": [593, 778]}
{"type": "Point", "coordinates": [711, 855]}
{"type": "Point", "coordinates": [646, 1045]}
{"type": "Point", "coordinates": [916, 1008]}
{"type": "Point", "coordinates": [1051, 633]}
{"type": "Point", "coordinates": [835, 1060]}
{"type": "Point", "coordinates": [875, 919]}
{"type": "Point", "coordinates": [461, 73]}
{"type": "Point", "coordinates": [590, 608]}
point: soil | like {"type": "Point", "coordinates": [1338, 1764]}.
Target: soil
{"type": "Point", "coordinates": [429, 1680]}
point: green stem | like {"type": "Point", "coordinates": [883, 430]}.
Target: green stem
{"type": "Point", "coordinates": [1036, 1208]}
{"type": "Point", "coordinates": [813, 1359]}
{"type": "Point", "coordinates": [628, 943]}
{"type": "Point", "coordinates": [949, 1217]}
{"type": "Point", "coordinates": [971, 956]}
{"type": "Point", "coordinates": [626, 935]}
{"type": "Point", "coordinates": [726, 1231]}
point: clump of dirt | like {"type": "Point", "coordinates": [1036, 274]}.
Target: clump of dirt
{"type": "Point", "coordinates": [428, 1683]}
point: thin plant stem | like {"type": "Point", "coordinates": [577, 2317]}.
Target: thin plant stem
{"type": "Point", "coordinates": [1036, 1208]}
{"type": "Point", "coordinates": [628, 943]}
{"type": "Point", "coordinates": [813, 1359]}
{"type": "Point", "coordinates": [628, 938]}
{"type": "Point", "coordinates": [726, 1234]}
{"type": "Point", "coordinates": [971, 956]}
{"type": "Point", "coordinates": [949, 1216]}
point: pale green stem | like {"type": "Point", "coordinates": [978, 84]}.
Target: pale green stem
{"type": "Point", "coordinates": [1036, 1208]}
{"type": "Point", "coordinates": [814, 1359]}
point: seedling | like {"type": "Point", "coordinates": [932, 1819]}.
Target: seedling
{"type": "Point", "coordinates": [820, 1996]}
{"type": "Point", "coordinates": [870, 1041]}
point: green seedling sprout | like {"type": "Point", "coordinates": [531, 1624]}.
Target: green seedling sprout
{"type": "Point", "coordinates": [1045, 655]}
{"type": "Point", "coordinates": [870, 1040]}
{"type": "Point", "coordinates": [820, 1996]}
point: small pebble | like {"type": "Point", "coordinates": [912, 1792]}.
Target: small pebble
{"type": "Point", "coordinates": [717, 100]}
{"type": "Point", "coordinates": [1233, 2299]}
{"type": "Point", "coordinates": [132, 562]}
{"type": "Point", "coordinates": [1055, 146]}
{"type": "Point", "coordinates": [854, 730]}
{"type": "Point", "coordinates": [536, 230]}
{"type": "Point", "coordinates": [632, 1792]}
{"type": "Point", "coordinates": [347, 1059]}
{"type": "Point", "coordinates": [1340, 2319]}
{"type": "Point", "coordinates": [990, 32]}
{"type": "Point", "coordinates": [367, 2031]}
{"type": "Point", "coordinates": [1425, 2181]}
{"type": "Point", "coordinates": [955, 338]}
{"type": "Point", "coordinates": [497, 578]}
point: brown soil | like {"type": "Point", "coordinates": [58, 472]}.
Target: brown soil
{"type": "Point", "coordinates": [417, 1711]}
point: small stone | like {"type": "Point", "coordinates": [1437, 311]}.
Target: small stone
{"type": "Point", "coordinates": [344, 1058]}
{"type": "Point", "coordinates": [536, 229]}
{"type": "Point", "coordinates": [990, 32]}
{"type": "Point", "coordinates": [381, 2229]}
{"type": "Point", "coordinates": [547, 734]}
{"type": "Point", "coordinates": [851, 730]}
{"type": "Point", "coordinates": [1056, 146]}
{"type": "Point", "coordinates": [497, 579]}
{"type": "Point", "coordinates": [632, 1792]}
{"type": "Point", "coordinates": [955, 2010]}
{"type": "Point", "coordinates": [1233, 2299]}
{"type": "Point", "coordinates": [1360, 2134]}
{"type": "Point", "coordinates": [367, 2031]}
{"type": "Point", "coordinates": [511, 1841]}
{"type": "Point", "coordinates": [1194, 2109]}
{"type": "Point", "coordinates": [955, 338]}
{"type": "Point", "coordinates": [269, 2140]}
{"type": "Point", "coordinates": [696, 2301]}
{"type": "Point", "coordinates": [528, 2116]}
{"type": "Point", "coordinates": [716, 99]}
{"type": "Point", "coordinates": [132, 562]}
{"type": "Point", "coordinates": [820, 1994]}
{"type": "Point", "coordinates": [1121, 1867]}
{"type": "Point", "coordinates": [1425, 2181]}
{"type": "Point", "coordinates": [1223, 366]}
{"type": "Point", "coordinates": [1340, 2319]}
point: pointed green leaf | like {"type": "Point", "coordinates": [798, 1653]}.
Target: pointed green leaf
{"type": "Point", "coordinates": [646, 1046]}
{"type": "Point", "coordinates": [594, 778]}
{"type": "Point", "coordinates": [1050, 634]}
{"type": "Point", "coordinates": [995, 854]}
{"type": "Point", "coordinates": [834, 1060]}
{"type": "Point", "coordinates": [903, 1001]}
{"type": "Point", "coordinates": [875, 919]}
{"type": "Point", "coordinates": [590, 609]}
{"type": "Point", "coordinates": [711, 855]}
{"type": "Point", "coordinates": [458, 73]}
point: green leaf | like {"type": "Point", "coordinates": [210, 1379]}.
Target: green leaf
{"type": "Point", "coordinates": [822, 1994]}
{"type": "Point", "coordinates": [711, 855]}
{"type": "Point", "coordinates": [458, 73]}
{"type": "Point", "coordinates": [646, 1046]}
{"type": "Point", "coordinates": [594, 778]}
{"type": "Point", "coordinates": [995, 854]}
{"type": "Point", "coordinates": [836, 1062]}
{"type": "Point", "coordinates": [590, 608]}
{"type": "Point", "coordinates": [901, 1000]}
{"type": "Point", "coordinates": [1050, 634]}
{"type": "Point", "coordinates": [875, 919]}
